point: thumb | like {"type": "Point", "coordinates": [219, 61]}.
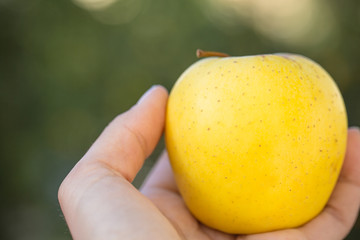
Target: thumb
{"type": "Point", "coordinates": [96, 199]}
{"type": "Point", "coordinates": [130, 138]}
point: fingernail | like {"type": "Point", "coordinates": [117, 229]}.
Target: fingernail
{"type": "Point", "coordinates": [146, 94]}
{"type": "Point", "coordinates": [356, 128]}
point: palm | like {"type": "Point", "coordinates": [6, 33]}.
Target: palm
{"type": "Point", "coordinates": [161, 189]}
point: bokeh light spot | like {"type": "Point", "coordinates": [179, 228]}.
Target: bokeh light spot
{"type": "Point", "coordinates": [292, 22]}
{"type": "Point", "coordinates": [112, 12]}
{"type": "Point", "coordinates": [94, 4]}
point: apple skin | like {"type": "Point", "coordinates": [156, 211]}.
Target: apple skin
{"type": "Point", "coordinates": [256, 143]}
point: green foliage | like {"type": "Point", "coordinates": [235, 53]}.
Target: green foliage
{"type": "Point", "coordinates": [66, 70]}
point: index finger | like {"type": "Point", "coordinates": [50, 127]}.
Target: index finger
{"type": "Point", "coordinates": [340, 213]}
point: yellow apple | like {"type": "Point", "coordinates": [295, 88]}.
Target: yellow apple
{"type": "Point", "coordinates": [256, 143]}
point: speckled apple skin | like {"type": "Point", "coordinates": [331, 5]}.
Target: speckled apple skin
{"type": "Point", "coordinates": [256, 143]}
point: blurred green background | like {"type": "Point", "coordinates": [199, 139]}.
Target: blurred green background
{"type": "Point", "coordinates": [68, 67]}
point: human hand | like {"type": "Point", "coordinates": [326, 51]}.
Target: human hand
{"type": "Point", "coordinates": [99, 202]}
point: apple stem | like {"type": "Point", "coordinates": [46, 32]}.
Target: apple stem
{"type": "Point", "coordinates": [200, 54]}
